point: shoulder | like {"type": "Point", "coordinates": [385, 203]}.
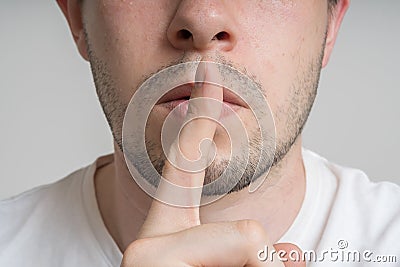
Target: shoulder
{"type": "Point", "coordinates": [364, 212]}
{"type": "Point", "coordinates": [43, 201]}
{"type": "Point", "coordinates": [41, 197]}
{"type": "Point", "coordinates": [57, 225]}
{"type": "Point", "coordinates": [357, 189]}
{"type": "Point", "coordinates": [40, 220]}
{"type": "Point", "coordinates": [354, 186]}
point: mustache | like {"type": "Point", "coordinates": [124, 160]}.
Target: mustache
{"type": "Point", "coordinates": [196, 57]}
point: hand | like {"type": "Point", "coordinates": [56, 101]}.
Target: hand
{"type": "Point", "coordinates": [174, 236]}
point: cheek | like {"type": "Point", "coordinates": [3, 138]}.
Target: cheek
{"type": "Point", "coordinates": [287, 39]}
{"type": "Point", "coordinates": [120, 34]}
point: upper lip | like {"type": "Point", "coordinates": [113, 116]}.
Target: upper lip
{"type": "Point", "coordinates": [184, 92]}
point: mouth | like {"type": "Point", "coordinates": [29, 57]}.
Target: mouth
{"type": "Point", "coordinates": [179, 97]}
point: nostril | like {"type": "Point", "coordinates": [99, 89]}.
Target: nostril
{"type": "Point", "coordinates": [221, 36]}
{"type": "Point", "coordinates": [184, 34]}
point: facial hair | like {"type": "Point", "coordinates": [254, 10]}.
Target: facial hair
{"type": "Point", "coordinates": [294, 116]}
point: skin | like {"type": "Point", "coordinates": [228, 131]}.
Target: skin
{"type": "Point", "coordinates": [281, 44]}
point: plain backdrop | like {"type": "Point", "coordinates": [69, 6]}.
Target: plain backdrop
{"type": "Point", "coordinates": [51, 123]}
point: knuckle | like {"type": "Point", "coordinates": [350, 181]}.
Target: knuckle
{"type": "Point", "coordinates": [135, 253]}
{"type": "Point", "coordinates": [252, 231]}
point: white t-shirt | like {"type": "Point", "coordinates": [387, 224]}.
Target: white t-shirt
{"type": "Point", "coordinates": [343, 214]}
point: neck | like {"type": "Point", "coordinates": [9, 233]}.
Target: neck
{"type": "Point", "coordinates": [123, 205]}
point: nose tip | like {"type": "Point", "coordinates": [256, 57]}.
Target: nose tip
{"type": "Point", "coordinates": [197, 25]}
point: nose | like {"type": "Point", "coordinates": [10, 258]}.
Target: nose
{"type": "Point", "coordinates": [202, 25]}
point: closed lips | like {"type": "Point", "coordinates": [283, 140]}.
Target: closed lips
{"type": "Point", "coordinates": [183, 93]}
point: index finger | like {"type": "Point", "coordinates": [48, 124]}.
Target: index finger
{"type": "Point", "coordinates": [164, 218]}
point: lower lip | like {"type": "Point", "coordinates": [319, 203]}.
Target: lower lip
{"type": "Point", "coordinates": [182, 106]}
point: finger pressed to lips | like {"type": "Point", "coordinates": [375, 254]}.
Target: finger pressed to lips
{"type": "Point", "coordinates": [162, 217]}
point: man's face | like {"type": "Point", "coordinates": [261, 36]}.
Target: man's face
{"type": "Point", "coordinates": [278, 43]}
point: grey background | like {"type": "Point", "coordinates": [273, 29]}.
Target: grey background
{"type": "Point", "coordinates": [51, 123]}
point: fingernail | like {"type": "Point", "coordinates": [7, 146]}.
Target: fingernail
{"type": "Point", "coordinates": [200, 75]}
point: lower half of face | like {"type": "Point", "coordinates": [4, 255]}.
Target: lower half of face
{"type": "Point", "coordinates": [289, 82]}
{"type": "Point", "coordinates": [289, 117]}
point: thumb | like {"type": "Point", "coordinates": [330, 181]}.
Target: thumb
{"type": "Point", "coordinates": [293, 255]}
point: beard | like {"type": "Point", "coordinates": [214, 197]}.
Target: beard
{"type": "Point", "coordinates": [291, 116]}
{"type": "Point", "coordinates": [255, 167]}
